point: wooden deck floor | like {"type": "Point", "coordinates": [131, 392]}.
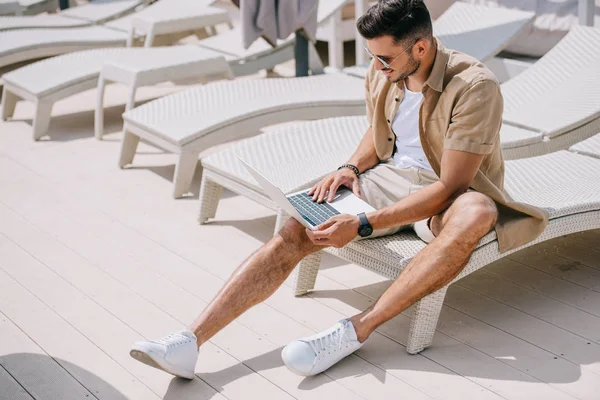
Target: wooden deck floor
{"type": "Point", "coordinates": [93, 258]}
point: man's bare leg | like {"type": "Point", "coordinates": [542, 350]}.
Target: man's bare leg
{"type": "Point", "coordinates": [458, 231]}
{"type": "Point", "coordinates": [257, 278]}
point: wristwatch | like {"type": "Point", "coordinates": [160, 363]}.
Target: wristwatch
{"type": "Point", "coordinates": [364, 229]}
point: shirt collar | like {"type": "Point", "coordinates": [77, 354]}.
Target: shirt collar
{"type": "Point", "coordinates": [436, 77]}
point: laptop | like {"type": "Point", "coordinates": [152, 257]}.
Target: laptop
{"type": "Point", "coordinates": [301, 207]}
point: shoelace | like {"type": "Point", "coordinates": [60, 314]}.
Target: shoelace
{"type": "Point", "coordinates": [173, 339]}
{"type": "Point", "coordinates": [335, 338]}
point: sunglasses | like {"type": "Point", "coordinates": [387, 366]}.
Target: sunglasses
{"type": "Point", "coordinates": [387, 65]}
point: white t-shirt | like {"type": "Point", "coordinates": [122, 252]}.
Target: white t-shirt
{"type": "Point", "coordinates": [406, 127]}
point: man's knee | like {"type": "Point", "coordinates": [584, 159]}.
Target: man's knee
{"type": "Point", "coordinates": [293, 234]}
{"type": "Point", "coordinates": [475, 210]}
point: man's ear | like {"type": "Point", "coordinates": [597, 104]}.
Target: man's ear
{"type": "Point", "coordinates": [422, 45]}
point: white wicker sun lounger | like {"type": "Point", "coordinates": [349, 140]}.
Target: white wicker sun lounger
{"type": "Point", "coordinates": [95, 12]}
{"type": "Point", "coordinates": [75, 72]}
{"type": "Point", "coordinates": [589, 147]}
{"type": "Point", "coordinates": [162, 17]}
{"type": "Point", "coordinates": [294, 157]}
{"type": "Point", "coordinates": [50, 80]}
{"type": "Point", "coordinates": [208, 124]}
{"type": "Point", "coordinates": [555, 103]}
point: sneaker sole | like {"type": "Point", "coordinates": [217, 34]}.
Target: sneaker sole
{"type": "Point", "coordinates": [148, 360]}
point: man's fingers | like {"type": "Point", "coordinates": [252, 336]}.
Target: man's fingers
{"type": "Point", "coordinates": [322, 187]}
{"type": "Point", "coordinates": [333, 190]}
{"type": "Point", "coordinates": [325, 224]}
{"type": "Point", "coordinates": [324, 234]}
{"type": "Point", "coordinates": [318, 241]}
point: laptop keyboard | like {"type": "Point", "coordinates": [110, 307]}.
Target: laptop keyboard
{"type": "Point", "coordinates": [311, 211]}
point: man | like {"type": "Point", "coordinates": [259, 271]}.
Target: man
{"type": "Point", "coordinates": [431, 159]}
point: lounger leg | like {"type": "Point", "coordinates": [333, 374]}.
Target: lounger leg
{"type": "Point", "coordinates": [131, 99]}
{"type": "Point", "coordinates": [210, 194]}
{"type": "Point", "coordinates": [424, 321]}
{"type": "Point", "coordinates": [282, 218]}
{"type": "Point", "coordinates": [211, 30]}
{"type": "Point", "coordinates": [335, 43]}
{"type": "Point", "coordinates": [41, 119]}
{"type": "Point", "coordinates": [128, 148]}
{"type": "Point", "coordinates": [314, 60]}
{"type": "Point", "coordinates": [306, 272]}
{"type": "Point", "coordinates": [99, 114]}
{"type": "Point", "coordinates": [9, 103]}
{"type": "Point", "coordinates": [184, 173]}
{"type": "Point", "coordinates": [149, 39]}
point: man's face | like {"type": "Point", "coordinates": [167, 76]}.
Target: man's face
{"type": "Point", "coordinates": [399, 56]}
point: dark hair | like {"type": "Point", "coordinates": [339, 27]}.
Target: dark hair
{"type": "Point", "coordinates": [402, 19]}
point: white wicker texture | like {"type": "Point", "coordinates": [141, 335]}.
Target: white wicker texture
{"type": "Point", "coordinates": [26, 44]}
{"type": "Point", "coordinates": [463, 26]}
{"type": "Point", "coordinates": [564, 183]}
{"type": "Point", "coordinates": [310, 149]}
{"type": "Point", "coordinates": [67, 69]}
{"type": "Point", "coordinates": [190, 114]}
{"type": "Point", "coordinates": [589, 147]}
{"type": "Point", "coordinates": [172, 15]}
{"type": "Point", "coordinates": [561, 91]}
{"type": "Point", "coordinates": [100, 11]}
{"type": "Point", "coordinates": [40, 21]}
{"type": "Point", "coordinates": [547, 145]}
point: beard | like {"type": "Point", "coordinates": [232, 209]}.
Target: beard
{"type": "Point", "coordinates": [412, 67]}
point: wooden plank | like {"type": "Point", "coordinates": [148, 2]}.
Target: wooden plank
{"type": "Point", "coordinates": [101, 375]}
{"type": "Point", "coordinates": [135, 317]}
{"type": "Point", "coordinates": [137, 277]}
{"type": "Point", "coordinates": [11, 389]}
{"type": "Point", "coordinates": [82, 246]}
{"type": "Point", "coordinates": [539, 363]}
{"type": "Point", "coordinates": [561, 267]}
{"type": "Point", "coordinates": [276, 319]}
{"type": "Point", "coordinates": [588, 238]}
{"type": "Point", "coordinates": [489, 372]}
{"type": "Point", "coordinates": [547, 285]}
{"type": "Point", "coordinates": [559, 314]}
{"type": "Point", "coordinates": [571, 250]}
{"type": "Point", "coordinates": [533, 330]}
{"type": "Point", "coordinates": [38, 375]}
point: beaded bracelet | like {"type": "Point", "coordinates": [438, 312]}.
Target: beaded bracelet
{"type": "Point", "coordinates": [352, 167]}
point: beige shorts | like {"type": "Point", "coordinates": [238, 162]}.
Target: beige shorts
{"type": "Point", "coordinates": [386, 184]}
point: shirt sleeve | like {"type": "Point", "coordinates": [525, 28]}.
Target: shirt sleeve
{"type": "Point", "coordinates": [476, 119]}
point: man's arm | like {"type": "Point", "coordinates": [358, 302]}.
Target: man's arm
{"type": "Point", "coordinates": [458, 170]}
{"type": "Point", "coordinates": [365, 156]}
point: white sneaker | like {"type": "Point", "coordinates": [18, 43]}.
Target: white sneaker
{"type": "Point", "coordinates": [176, 353]}
{"type": "Point", "coordinates": [314, 354]}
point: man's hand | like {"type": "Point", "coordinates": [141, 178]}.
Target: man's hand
{"type": "Point", "coordinates": [336, 232]}
{"type": "Point", "coordinates": [329, 185]}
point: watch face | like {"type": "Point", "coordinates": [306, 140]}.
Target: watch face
{"type": "Point", "coordinates": [365, 231]}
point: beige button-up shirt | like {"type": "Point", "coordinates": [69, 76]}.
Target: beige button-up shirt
{"type": "Point", "coordinates": [461, 110]}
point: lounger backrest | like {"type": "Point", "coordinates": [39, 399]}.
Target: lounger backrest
{"type": "Point", "coordinates": [561, 91]}
{"type": "Point", "coordinates": [480, 31]}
